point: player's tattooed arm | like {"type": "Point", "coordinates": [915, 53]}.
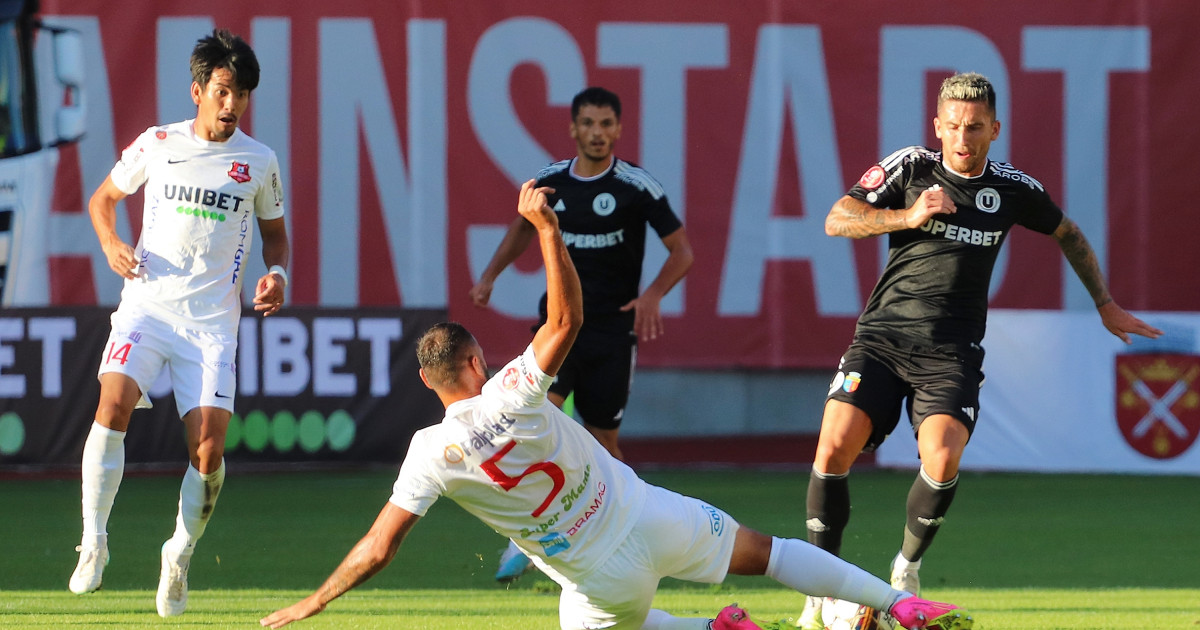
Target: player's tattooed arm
{"type": "Point", "coordinates": [1079, 253]}
{"type": "Point", "coordinates": [854, 218]}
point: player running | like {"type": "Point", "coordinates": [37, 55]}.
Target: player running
{"type": "Point", "coordinates": [918, 342]}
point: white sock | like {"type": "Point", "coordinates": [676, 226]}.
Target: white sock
{"type": "Point", "coordinates": [197, 499]}
{"type": "Point", "coordinates": [102, 469]}
{"type": "Point", "coordinates": [814, 571]}
{"type": "Point", "coordinates": [662, 620]}
{"type": "Point", "coordinates": [901, 564]}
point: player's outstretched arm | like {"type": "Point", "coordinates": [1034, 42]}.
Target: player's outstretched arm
{"type": "Point", "coordinates": [371, 554]}
{"type": "Point", "coordinates": [854, 218]}
{"type": "Point", "coordinates": [515, 242]}
{"type": "Point", "coordinates": [1079, 253]}
{"type": "Point", "coordinates": [564, 297]}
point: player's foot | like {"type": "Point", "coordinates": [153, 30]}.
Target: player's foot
{"type": "Point", "coordinates": [810, 617]}
{"type": "Point", "coordinates": [733, 618]}
{"type": "Point", "coordinates": [513, 564]}
{"type": "Point", "coordinates": [172, 582]}
{"type": "Point", "coordinates": [922, 614]}
{"type": "Point", "coordinates": [906, 578]}
{"type": "Point", "coordinates": [90, 570]}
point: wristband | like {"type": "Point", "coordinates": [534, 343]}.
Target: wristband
{"type": "Point", "coordinates": [279, 271]}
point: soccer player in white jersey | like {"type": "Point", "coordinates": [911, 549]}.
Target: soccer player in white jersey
{"type": "Point", "coordinates": [206, 183]}
{"type": "Point", "coordinates": [507, 455]}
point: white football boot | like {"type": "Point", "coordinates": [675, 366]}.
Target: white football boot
{"type": "Point", "coordinates": [90, 571]}
{"type": "Point", "coordinates": [810, 618]}
{"type": "Point", "coordinates": [172, 583]}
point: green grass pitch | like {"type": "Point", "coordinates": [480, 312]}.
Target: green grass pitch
{"type": "Point", "coordinates": [1022, 551]}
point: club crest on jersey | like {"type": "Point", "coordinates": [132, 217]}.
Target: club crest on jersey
{"type": "Point", "coordinates": [987, 200]}
{"type": "Point", "coordinates": [872, 178]}
{"type": "Point", "coordinates": [161, 135]}
{"type": "Point", "coordinates": [240, 173]}
{"type": "Point", "coordinates": [604, 204]}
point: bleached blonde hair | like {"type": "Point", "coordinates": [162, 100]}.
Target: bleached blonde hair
{"type": "Point", "coordinates": [968, 86]}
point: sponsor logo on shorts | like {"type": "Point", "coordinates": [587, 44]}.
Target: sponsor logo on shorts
{"type": "Point", "coordinates": [554, 544]}
{"type": "Point", "coordinates": [716, 519]}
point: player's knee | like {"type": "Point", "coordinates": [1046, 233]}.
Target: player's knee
{"type": "Point", "coordinates": [835, 458]}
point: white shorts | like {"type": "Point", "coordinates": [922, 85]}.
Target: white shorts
{"type": "Point", "coordinates": [202, 364]}
{"type": "Point", "coordinates": [675, 536]}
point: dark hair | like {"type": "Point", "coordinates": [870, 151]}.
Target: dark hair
{"type": "Point", "coordinates": [442, 350]}
{"type": "Point", "coordinates": [597, 96]}
{"type": "Point", "coordinates": [223, 49]}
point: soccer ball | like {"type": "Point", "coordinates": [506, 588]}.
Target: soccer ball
{"type": "Point", "coordinates": [839, 614]}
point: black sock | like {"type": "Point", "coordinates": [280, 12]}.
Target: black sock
{"type": "Point", "coordinates": [828, 506]}
{"type": "Point", "coordinates": [928, 502]}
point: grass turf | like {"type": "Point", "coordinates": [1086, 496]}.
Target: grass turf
{"type": "Point", "coordinates": [1022, 551]}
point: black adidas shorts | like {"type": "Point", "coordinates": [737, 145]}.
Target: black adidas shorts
{"type": "Point", "coordinates": [599, 369]}
{"type": "Point", "coordinates": [878, 374]}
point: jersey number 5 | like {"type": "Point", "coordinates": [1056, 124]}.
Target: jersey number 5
{"type": "Point", "coordinates": [508, 483]}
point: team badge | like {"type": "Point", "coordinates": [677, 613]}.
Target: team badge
{"type": "Point", "coordinates": [1158, 404]}
{"type": "Point", "coordinates": [873, 178]}
{"type": "Point", "coordinates": [510, 378]}
{"type": "Point", "coordinates": [240, 173]}
{"type": "Point", "coordinates": [161, 135]}
{"type": "Point", "coordinates": [851, 383]}
{"type": "Point", "coordinates": [604, 204]}
{"type": "Point", "coordinates": [987, 200]}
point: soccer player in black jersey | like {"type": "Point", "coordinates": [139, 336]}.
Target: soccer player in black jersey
{"type": "Point", "coordinates": [917, 342]}
{"type": "Point", "coordinates": [603, 205]}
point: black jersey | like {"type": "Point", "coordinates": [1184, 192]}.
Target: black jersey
{"type": "Point", "coordinates": [603, 222]}
{"type": "Point", "coordinates": [934, 289]}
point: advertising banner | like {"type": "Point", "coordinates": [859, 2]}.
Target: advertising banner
{"type": "Point", "coordinates": [313, 385]}
{"type": "Point", "coordinates": [404, 129]}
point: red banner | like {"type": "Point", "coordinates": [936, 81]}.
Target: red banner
{"type": "Point", "coordinates": [404, 129]}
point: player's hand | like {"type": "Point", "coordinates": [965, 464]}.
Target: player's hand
{"type": "Point", "coordinates": [647, 316]}
{"type": "Point", "coordinates": [533, 205]}
{"type": "Point", "coordinates": [932, 201]}
{"type": "Point", "coordinates": [481, 293]}
{"type": "Point", "coordinates": [302, 609]}
{"type": "Point", "coordinates": [1119, 322]}
{"type": "Point", "coordinates": [268, 298]}
{"type": "Point", "coordinates": [121, 259]}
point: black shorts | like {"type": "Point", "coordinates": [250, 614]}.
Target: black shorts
{"type": "Point", "coordinates": [599, 369]}
{"type": "Point", "coordinates": [877, 374]}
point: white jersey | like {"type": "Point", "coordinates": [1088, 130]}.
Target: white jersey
{"type": "Point", "coordinates": [525, 468]}
{"type": "Point", "coordinates": [201, 202]}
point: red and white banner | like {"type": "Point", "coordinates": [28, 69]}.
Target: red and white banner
{"type": "Point", "coordinates": [404, 129]}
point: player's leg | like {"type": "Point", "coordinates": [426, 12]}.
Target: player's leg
{"type": "Point", "coordinates": [131, 359]}
{"type": "Point", "coordinates": [603, 386]}
{"type": "Point", "coordinates": [204, 378]}
{"type": "Point", "coordinates": [944, 408]}
{"type": "Point", "coordinates": [862, 408]}
{"type": "Point", "coordinates": [102, 469]}
{"type": "Point", "coordinates": [812, 570]}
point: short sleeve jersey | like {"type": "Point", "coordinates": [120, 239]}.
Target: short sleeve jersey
{"type": "Point", "coordinates": [934, 289]}
{"type": "Point", "coordinates": [603, 221]}
{"type": "Point", "coordinates": [201, 202]}
{"type": "Point", "coordinates": [524, 468]}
